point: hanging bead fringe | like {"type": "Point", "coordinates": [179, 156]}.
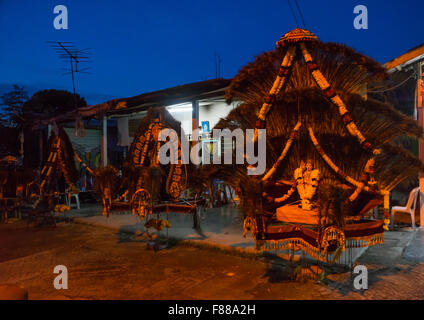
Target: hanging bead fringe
{"type": "Point", "coordinates": [314, 252]}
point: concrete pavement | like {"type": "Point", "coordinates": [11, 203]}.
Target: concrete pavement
{"type": "Point", "coordinates": [219, 227]}
{"type": "Point", "coordinates": [105, 264]}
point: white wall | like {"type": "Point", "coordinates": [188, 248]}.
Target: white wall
{"type": "Point", "coordinates": [213, 113]}
{"type": "Point", "coordinates": [182, 113]}
{"type": "Point", "coordinates": [208, 111]}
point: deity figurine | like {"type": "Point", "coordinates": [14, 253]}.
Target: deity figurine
{"type": "Point", "coordinates": [307, 180]}
{"type": "Point", "coordinates": [368, 176]}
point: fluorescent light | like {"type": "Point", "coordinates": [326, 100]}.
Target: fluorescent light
{"type": "Point", "coordinates": [180, 109]}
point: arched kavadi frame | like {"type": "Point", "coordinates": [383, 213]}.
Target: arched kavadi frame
{"type": "Point", "coordinates": [331, 152]}
{"type": "Point", "coordinates": [60, 160]}
{"type": "Point", "coordinates": [150, 186]}
{"type": "Point", "coordinates": [144, 151]}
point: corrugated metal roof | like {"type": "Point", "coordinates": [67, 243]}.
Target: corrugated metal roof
{"type": "Point", "coordinates": [409, 55]}
{"type": "Point", "coordinates": [174, 95]}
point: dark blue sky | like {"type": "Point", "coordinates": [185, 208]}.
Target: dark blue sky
{"type": "Point", "coordinates": [140, 46]}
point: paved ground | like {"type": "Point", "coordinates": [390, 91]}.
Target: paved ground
{"type": "Point", "coordinates": [220, 227]}
{"type": "Point", "coordinates": [217, 225]}
{"type": "Point", "coordinates": [105, 264]}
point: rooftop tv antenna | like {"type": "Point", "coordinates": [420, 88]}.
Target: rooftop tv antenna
{"type": "Point", "coordinates": [67, 51]}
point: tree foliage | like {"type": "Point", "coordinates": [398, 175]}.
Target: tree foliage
{"type": "Point", "coordinates": [12, 102]}
{"type": "Point", "coordinates": [53, 102]}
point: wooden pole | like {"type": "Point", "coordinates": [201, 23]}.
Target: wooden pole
{"type": "Point", "coordinates": [104, 142]}
{"type": "Point", "coordinates": [194, 122]}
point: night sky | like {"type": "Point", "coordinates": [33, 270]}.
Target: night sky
{"type": "Point", "coordinates": [141, 46]}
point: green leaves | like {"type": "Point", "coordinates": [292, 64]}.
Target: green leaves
{"type": "Point", "coordinates": [12, 102]}
{"type": "Point", "coordinates": [53, 102]}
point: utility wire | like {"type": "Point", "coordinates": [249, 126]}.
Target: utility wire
{"type": "Point", "coordinates": [394, 87]}
{"type": "Point", "coordinates": [292, 11]}
{"type": "Point", "coordinates": [300, 13]}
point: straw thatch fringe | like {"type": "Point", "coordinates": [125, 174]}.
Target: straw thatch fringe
{"type": "Point", "coordinates": [344, 68]}
{"type": "Point", "coordinates": [379, 122]}
{"type": "Point", "coordinates": [283, 153]}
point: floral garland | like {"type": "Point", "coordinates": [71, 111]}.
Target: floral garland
{"type": "Point", "coordinates": [140, 150]}
{"type": "Point", "coordinates": [283, 72]}
{"type": "Point", "coordinates": [350, 125]}
{"type": "Point", "coordinates": [327, 159]}
{"type": "Point", "coordinates": [291, 40]}
{"type": "Point", "coordinates": [174, 181]}
{"type": "Point", "coordinates": [61, 208]}
{"type": "Point", "coordinates": [359, 185]}
{"type": "Point", "coordinates": [56, 159]}
{"type": "Point", "coordinates": [286, 196]}
{"type": "Point", "coordinates": [123, 195]}
{"type": "Point", "coordinates": [50, 162]}
{"type": "Point", "coordinates": [84, 164]}
{"type": "Point", "coordinates": [283, 153]}
{"type": "Point", "coordinates": [281, 199]}
{"type": "Point", "coordinates": [295, 36]}
{"type": "Point", "coordinates": [331, 94]}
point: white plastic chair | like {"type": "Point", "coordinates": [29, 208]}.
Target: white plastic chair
{"type": "Point", "coordinates": [69, 200]}
{"type": "Point", "coordinates": [410, 207]}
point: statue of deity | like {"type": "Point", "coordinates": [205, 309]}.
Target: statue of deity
{"type": "Point", "coordinates": [368, 176]}
{"type": "Point", "coordinates": [307, 180]}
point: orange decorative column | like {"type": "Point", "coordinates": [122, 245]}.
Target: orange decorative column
{"type": "Point", "coordinates": [420, 105]}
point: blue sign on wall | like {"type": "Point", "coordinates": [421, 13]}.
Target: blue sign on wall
{"type": "Point", "coordinates": [205, 126]}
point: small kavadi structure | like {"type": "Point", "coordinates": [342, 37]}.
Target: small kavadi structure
{"type": "Point", "coordinates": [148, 185]}
{"type": "Point", "coordinates": [60, 160]}
{"type": "Point", "coordinates": [331, 151]}
{"type": "Point", "coordinates": [145, 187]}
